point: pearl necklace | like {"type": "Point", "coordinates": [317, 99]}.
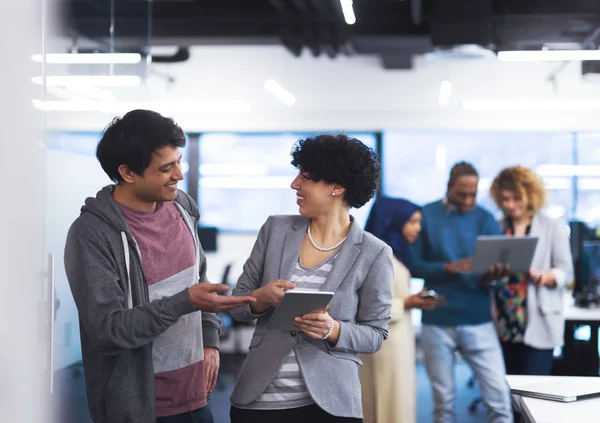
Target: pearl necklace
{"type": "Point", "coordinates": [314, 244]}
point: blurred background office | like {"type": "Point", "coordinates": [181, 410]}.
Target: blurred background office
{"type": "Point", "coordinates": [426, 83]}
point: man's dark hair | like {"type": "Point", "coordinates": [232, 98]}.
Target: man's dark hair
{"type": "Point", "coordinates": [132, 139]}
{"type": "Point", "coordinates": [339, 159]}
{"type": "Point", "coordinates": [461, 169]}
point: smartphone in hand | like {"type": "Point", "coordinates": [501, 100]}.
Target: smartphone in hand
{"type": "Point", "coordinates": [430, 294]}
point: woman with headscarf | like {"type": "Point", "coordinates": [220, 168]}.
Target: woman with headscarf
{"type": "Point", "coordinates": [388, 377]}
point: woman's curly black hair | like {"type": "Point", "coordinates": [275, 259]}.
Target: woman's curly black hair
{"type": "Point", "coordinates": [339, 159]}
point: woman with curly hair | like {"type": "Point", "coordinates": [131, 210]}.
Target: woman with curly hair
{"type": "Point", "coordinates": [528, 308]}
{"type": "Point", "coordinates": [312, 373]}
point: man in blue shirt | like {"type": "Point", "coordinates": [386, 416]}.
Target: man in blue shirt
{"type": "Point", "coordinates": [443, 257]}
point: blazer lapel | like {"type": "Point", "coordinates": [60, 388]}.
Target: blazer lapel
{"type": "Point", "coordinates": [291, 248]}
{"type": "Point", "coordinates": [345, 259]}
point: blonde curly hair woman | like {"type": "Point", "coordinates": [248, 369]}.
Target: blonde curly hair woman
{"type": "Point", "coordinates": [528, 307]}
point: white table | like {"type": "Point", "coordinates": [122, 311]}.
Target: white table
{"type": "Point", "coordinates": [581, 314]}
{"type": "Point", "coordinates": [543, 411]}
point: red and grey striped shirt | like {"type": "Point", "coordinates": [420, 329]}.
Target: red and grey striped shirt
{"type": "Point", "coordinates": [170, 263]}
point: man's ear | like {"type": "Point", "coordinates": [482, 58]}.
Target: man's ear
{"type": "Point", "coordinates": [126, 173]}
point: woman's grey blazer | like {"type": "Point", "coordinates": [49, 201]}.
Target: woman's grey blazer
{"type": "Point", "coordinates": [361, 278]}
{"type": "Point", "coordinates": [545, 306]}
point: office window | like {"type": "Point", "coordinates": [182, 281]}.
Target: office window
{"type": "Point", "coordinates": [85, 143]}
{"type": "Point", "coordinates": [587, 174]}
{"type": "Point", "coordinates": [416, 165]}
{"type": "Point", "coordinates": [244, 178]}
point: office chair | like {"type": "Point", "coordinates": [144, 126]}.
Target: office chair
{"type": "Point", "coordinates": [475, 403]}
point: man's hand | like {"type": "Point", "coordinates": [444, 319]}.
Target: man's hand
{"type": "Point", "coordinates": [417, 301]}
{"type": "Point", "coordinates": [205, 296]}
{"type": "Point", "coordinates": [211, 368]}
{"type": "Point", "coordinates": [270, 295]}
{"type": "Point", "coordinates": [460, 266]}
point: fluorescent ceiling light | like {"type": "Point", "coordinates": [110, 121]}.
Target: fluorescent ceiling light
{"type": "Point", "coordinates": [548, 55]}
{"type": "Point", "coordinates": [90, 80]}
{"type": "Point", "coordinates": [225, 169]}
{"type": "Point", "coordinates": [445, 93]}
{"type": "Point", "coordinates": [568, 170]}
{"type": "Point", "coordinates": [279, 92]}
{"type": "Point", "coordinates": [557, 184]}
{"type": "Point", "coordinates": [89, 58]}
{"type": "Point", "coordinates": [498, 105]}
{"type": "Point", "coordinates": [589, 184]}
{"type": "Point", "coordinates": [246, 182]}
{"type": "Point", "coordinates": [159, 106]}
{"type": "Point", "coordinates": [348, 11]}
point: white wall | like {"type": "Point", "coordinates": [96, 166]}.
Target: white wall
{"type": "Point", "coordinates": [70, 179]}
{"type": "Point", "coordinates": [355, 121]}
{"type": "Point", "coordinates": [23, 391]}
{"type": "Point", "coordinates": [351, 93]}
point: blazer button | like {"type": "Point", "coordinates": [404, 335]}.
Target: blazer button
{"type": "Point", "coordinates": [293, 333]}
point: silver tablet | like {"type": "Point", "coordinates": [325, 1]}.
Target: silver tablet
{"type": "Point", "coordinates": [515, 251]}
{"type": "Point", "coordinates": [296, 303]}
{"type": "Point", "coordinates": [564, 390]}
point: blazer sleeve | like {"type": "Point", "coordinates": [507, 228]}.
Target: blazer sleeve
{"type": "Point", "coordinates": [374, 309]}
{"type": "Point", "coordinates": [252, 275]}
{"type": "Point", "coordinates": [561, 260]}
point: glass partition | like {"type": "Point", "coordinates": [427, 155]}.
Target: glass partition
{"type": "Point", "coordinates": [244, 178]}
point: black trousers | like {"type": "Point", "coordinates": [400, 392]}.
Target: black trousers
{"type": "Point", "coordinates": [521, 359]}
{"type": "Point", "coordinates": [309, 414]}
{"type": "Point", "coordinates": [201, 415]}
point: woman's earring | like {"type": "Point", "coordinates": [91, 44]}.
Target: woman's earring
{"type": "Point", "coordinates": [333, 193]}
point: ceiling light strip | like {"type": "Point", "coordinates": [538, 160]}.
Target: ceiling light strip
{"type": "Point", "coordinates": [89, 58]}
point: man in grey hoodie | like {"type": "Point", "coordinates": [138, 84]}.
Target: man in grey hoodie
{"type": "Point", "coordinates": [137, 272]}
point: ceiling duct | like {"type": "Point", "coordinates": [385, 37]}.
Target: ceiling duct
{"type": "Point", "coordinates": [386, 28]}
{"type": "Point", "coordinates": [455, 22]}
{"type": "Point", "coordinates": [181, 55]}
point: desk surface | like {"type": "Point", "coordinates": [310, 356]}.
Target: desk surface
{"type": "Point", "coordinates": [578, 313]}
{"type": "Point", "coordinates": [543, 411]}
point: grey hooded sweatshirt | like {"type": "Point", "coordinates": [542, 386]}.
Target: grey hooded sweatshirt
{"type": "Point", "coordinates": [117, 329]}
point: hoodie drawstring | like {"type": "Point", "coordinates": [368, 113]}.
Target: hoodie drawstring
{"type": "Point", "coordinates": [126, 250]}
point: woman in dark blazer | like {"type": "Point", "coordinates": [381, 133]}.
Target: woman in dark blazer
{"type": "Point", "coordinates": [312, 373]}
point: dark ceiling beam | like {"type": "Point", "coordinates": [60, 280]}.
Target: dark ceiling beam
{"type": "Point", "coordinates": [281, 6]}
{"type": "Point", "coordinates": [301, 6]}
{"type": "Point", "coordinates": [233, 18]}
{"type": "Point", "coordinates": [546, 6]}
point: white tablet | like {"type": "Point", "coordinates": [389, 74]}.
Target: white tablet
{"type": "Point", "coordinates": [296, 303]}
{"type": "Point", "coordinates": [515, 251]}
